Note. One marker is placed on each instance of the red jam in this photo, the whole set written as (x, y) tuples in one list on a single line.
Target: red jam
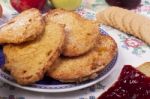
[(132, 84), (128, 4)]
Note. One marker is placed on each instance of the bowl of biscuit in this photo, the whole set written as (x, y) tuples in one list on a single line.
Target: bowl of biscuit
[(58, 52)]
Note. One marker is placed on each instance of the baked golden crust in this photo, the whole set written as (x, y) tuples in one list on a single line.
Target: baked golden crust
[(81, 34), (145, 68), (28, 62), (87, 66), (24, 27)]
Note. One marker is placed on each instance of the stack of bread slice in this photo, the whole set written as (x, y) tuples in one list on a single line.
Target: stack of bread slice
[(62, 45)]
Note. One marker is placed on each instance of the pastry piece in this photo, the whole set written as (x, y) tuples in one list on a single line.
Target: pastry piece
[(81, 34), (28, 62), (145, 68), (128, 22), (87, 66), (24, 27)]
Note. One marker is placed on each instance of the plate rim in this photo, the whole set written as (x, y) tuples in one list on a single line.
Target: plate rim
[(28, 88)]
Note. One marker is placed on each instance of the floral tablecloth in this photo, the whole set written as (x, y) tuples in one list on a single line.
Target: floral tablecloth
[(126, 44)]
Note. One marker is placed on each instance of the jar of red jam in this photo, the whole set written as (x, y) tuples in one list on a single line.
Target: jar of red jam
[(128, 4)]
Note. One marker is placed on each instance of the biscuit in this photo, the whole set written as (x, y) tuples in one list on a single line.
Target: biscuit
[(136, 23), (127, 19), (145, 68), (81, 34), (145, 31), (87, 66), (112, 17), (107, 15), (24, 27), (101, 18), (128, 22), (28, 62), (118, 18)]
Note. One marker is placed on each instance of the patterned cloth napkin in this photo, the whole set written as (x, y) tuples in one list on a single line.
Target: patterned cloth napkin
[(131, 51)]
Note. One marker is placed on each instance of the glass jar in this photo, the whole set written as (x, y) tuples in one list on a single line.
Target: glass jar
[(128, 4)]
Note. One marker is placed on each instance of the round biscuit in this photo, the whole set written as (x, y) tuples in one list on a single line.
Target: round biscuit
[(100, 18), (136, 24), (118, 18), (127, 21), (145, 31), (111, 17), (107, 15)]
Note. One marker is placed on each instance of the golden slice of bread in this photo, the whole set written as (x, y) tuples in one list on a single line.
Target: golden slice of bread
[(87, 66), (28, 62), (24, 27), (81, 34), (145, 68)]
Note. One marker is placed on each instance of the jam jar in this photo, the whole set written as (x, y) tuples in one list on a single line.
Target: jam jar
[(128, 4)]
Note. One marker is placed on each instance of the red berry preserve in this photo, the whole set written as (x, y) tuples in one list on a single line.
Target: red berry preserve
[(132, 84), (128, 4)]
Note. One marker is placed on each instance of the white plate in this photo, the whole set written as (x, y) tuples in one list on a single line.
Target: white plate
[(53, 86)]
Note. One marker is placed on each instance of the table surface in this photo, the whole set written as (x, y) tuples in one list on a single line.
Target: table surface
[(10, 92)]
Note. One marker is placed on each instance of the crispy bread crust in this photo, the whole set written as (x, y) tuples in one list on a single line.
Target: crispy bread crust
[(81, 34), (24, 27), (87, 66), (29, 61)]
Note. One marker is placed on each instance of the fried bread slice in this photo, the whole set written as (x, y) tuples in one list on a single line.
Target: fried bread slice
[(24, 27), (28, 62), (81, 34), (87, 66)]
